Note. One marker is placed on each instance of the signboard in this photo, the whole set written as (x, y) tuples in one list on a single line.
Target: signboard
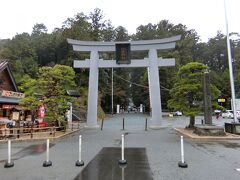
[(10, 106), (15, 116), (123, 53), (12, 94), (222, 100)]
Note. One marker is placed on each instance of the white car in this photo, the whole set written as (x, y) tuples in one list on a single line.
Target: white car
[(238, 115), (177, 113), (227, 114)]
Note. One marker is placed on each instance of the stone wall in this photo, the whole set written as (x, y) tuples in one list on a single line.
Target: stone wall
[(206, 130)]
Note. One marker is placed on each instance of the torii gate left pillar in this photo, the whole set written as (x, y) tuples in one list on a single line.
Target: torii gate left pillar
[(152, 62)]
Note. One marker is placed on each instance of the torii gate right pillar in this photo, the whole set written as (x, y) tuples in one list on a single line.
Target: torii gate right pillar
[(154, 87)]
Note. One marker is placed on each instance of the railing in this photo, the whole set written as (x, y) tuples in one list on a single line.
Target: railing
[(33, 131), (73, 126)]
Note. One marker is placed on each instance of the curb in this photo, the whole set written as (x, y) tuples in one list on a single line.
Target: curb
[(189, 134)]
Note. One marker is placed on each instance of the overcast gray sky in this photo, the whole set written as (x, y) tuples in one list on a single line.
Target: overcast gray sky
[(205, 16)]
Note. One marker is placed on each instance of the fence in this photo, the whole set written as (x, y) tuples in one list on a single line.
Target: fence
[(31, 132)]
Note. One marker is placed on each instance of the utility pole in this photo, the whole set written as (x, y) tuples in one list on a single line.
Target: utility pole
[(112, 91), (230, 67)]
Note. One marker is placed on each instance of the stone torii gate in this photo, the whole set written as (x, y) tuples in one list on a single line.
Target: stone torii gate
[(152, 63)]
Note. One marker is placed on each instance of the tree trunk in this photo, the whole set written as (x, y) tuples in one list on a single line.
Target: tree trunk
[(191, 122)]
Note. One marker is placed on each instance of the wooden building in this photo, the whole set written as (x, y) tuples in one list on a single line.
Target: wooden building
[(9, 94)]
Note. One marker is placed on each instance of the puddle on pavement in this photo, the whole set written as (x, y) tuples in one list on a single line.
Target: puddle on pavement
[(117, 142), (232, 145), (30, 151), (105, 165)]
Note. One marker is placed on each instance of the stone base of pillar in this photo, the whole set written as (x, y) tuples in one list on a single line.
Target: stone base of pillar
[(91, 127), (155, 123), (156, 127)]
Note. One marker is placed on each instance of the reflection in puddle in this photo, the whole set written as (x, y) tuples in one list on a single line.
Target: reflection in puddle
[(105, 166), (30, 150), (123, 176)]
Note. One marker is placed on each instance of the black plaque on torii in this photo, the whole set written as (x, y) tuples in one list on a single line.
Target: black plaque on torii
[(123, 53)]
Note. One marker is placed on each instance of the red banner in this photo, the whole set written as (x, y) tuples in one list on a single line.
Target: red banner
[(41, 112)]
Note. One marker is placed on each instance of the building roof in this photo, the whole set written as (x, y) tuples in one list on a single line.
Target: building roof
[(4, 65), (9, 100), (73, 93)]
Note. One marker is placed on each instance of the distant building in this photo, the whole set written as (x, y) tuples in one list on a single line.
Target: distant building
[(9, 94)]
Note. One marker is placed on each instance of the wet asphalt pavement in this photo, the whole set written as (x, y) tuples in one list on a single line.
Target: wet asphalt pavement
[(152, 154), (105, 165)]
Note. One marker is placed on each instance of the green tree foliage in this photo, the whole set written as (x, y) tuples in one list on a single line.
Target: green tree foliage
[(76, 28), (121, 34), (120, 75), (140, 88), (187, 93), (214, 54), (39, 29), (29, 52), (52, 84), (26, 66), (97, 24), (183, 53), (18, 48), (108, 32), (217, 58), (236, 64)]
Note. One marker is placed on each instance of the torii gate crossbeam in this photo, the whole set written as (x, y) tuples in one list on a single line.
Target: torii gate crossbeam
[(152, 62)]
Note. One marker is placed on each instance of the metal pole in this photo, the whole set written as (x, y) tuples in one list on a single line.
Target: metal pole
[(123, 124), (230, 67), (9, 151), (80, 162), (182, 150), (182, 163), (9, 164), (122, 147), (122, 161), (102, 124), (146, 124), (123, 173), (150, 97), (47, 163), (112, 91), (47, 156), (18, 133), (80, 148)]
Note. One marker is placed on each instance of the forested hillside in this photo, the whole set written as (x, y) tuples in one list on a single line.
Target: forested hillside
[(28, 52)]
